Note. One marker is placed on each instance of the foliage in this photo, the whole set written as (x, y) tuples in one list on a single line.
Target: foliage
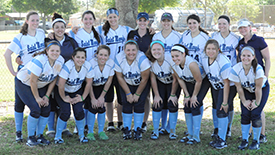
[(5, 6), (150, 6)]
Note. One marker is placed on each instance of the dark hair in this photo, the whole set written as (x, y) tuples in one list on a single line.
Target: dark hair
[(93, 29), (78, 49), (55, 16), (24, 28), (149, 53), (103, 47), (47, 42), (106, 26), (225, 17), (214, 42), (197, 18), (254, 62), (186, 49), (131, 42)]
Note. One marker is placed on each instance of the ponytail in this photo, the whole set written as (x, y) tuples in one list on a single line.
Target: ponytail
[(149, 54), (106, 27), (197, 18), (254, 64), (203, 30), (24, 28), (96, 35)]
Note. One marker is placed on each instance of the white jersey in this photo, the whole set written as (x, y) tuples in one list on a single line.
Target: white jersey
[(164, 73), (228, 45), (132, 73), (247, 81), (172, 39), (185, 73), (101, 77), (194, 45), (40, 66), (218, 71), (26, 45), (115, 39), (74, 79), (86, 40)]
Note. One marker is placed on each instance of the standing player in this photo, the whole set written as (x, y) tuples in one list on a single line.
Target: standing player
[(169, 37), (228, 42), (143, 37), (29, 41), (34, 83), (261, 52), (103, 69), (132, 70), (164, 87), (253, 89), (70, 92)]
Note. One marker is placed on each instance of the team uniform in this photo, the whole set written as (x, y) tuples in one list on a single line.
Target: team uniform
[(194, 45), (86, 40), (143, 42), (247, 82), (132, 76), (193, 115), (73, 86), (40, 67)]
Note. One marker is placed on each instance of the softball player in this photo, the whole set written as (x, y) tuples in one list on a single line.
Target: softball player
[(228, 42), (164, 87), (169, 37), (103, 69), (190, 74), (253, 89), (69, 92), (29, 41), (114, 36), (34, 83), (132, 70), (217, 68)]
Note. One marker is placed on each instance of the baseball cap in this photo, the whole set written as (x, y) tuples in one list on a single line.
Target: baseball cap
[(167, 15), (143, 15), (243, 23)]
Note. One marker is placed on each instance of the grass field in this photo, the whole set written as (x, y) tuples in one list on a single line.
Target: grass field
[(116, 145)]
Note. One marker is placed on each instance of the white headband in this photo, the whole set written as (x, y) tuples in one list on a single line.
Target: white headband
[(249, 49), (58, 20), (179, 48)]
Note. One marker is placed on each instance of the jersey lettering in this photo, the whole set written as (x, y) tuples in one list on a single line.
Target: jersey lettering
[(74, 82), (46, 78), (89, 43), (36, 46)]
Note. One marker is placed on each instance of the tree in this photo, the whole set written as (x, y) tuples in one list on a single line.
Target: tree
[(150, 6), (127, 12), (4, 7)]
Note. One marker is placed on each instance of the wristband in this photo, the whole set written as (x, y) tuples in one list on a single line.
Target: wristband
[(49, 98), (128, 94), (256, 104), (105, 90), (173, 95), (225, 104), (137, 94), (187, 96), (82, 98)]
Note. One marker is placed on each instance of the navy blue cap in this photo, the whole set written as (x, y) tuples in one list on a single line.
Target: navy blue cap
[(143, 15), (167, 15)]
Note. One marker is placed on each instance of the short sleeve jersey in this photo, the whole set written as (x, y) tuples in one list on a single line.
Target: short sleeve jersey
[(143, 42), (172, 39)]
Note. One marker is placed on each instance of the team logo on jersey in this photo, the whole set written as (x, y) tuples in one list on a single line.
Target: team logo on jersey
[(131, 75), (167, 48), (35, 47), (114, 40), (192, 47), (187, 78), (136, 37), (100, 80), (225, 48), (247, 84), (213, 78), (46, 78), (89, 43), (74, 82)]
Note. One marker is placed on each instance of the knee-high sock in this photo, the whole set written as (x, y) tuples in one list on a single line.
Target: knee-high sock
[(201, 110), (189, 124), (41, 125), (18, 117), (85, 114), (245, 131), (80, 127), (173, 117), (138, 119), (215, 118), (230, 118), (101, 121), (156, 120), (164, 113), (257, 133), (222, 124), (90, 121), (59, 128), (196, 127), (32, 124), (51, 121), (127, 120)]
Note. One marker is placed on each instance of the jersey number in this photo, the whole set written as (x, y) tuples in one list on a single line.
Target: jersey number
[(120, 48), (196, 57)]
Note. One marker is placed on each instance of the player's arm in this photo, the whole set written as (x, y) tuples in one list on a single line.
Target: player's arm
[(61, 90), (124, 86), (49, 91), (107, 86), (144, 79), (258, 93), (266, 56), (226, 89), (34, 89), (195, 70), (7, 56)]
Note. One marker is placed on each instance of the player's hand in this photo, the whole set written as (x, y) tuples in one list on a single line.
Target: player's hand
[(224, 107), (75, 29), (40, 102), (46, 101), (174, 100), (186, 101), (135, 98), (94, 103), (247, 104), (130, 98), (152, 31), (18, 60), (51, 35), (194, 102), (253, 105), (101, 101), (157, 101), (68, 99)]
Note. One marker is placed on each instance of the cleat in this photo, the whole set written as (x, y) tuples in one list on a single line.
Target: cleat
[(58, 141), (172, 136), (91, 136), (111, 127), (249, 136), (254, 145), (263, 138), (220, 144), (86, 129), (103, 136), (228, 133), (66, 132), (32, 141), (154, 136), (138, 134), (163, 131), (127, 133), (192, 142), (144, 127), (184, 140), (50, 134), (42, 141), (215, 133), (83, 140), (75, 130), (19, 137), (243, 145)]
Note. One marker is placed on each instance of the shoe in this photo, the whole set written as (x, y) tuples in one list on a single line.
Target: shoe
[(220, 144), (86, 129), (186, 133), (120, 127), (103, 136), (243, 145), (172, 136), (254, 145), (83, 140), (19, 137), (184, 140), (228, 133), (154, 136), (66, 132), (138, 134), (263, 138), (163, 131), (127, 133), (215, 133), (144, 127), (91, 136), (50, 134), (42, 141), (111, 127), (75, 130), (249, 136), (215, 139), (32, 141), (192, 142), (58, 141)]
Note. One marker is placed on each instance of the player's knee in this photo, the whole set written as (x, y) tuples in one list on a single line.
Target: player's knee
[(257, 123), (65, 116), (79, 115)]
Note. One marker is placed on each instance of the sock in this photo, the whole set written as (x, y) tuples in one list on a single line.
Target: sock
[(156, 120), (164, 118), (138, 118), (173, 117), (127, 120), (201, 110), (257, 133), (80, 127), (100, 121), (230, 118), (51, 121), (85, 114), (222, 124), (197, 127), (59, 128), (215, 118), (245, 131), (189, 124), (90, 121), (31, 125), (41, 125), (18, 117)]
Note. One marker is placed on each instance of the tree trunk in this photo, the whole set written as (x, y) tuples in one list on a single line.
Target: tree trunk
[(128, 10)]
